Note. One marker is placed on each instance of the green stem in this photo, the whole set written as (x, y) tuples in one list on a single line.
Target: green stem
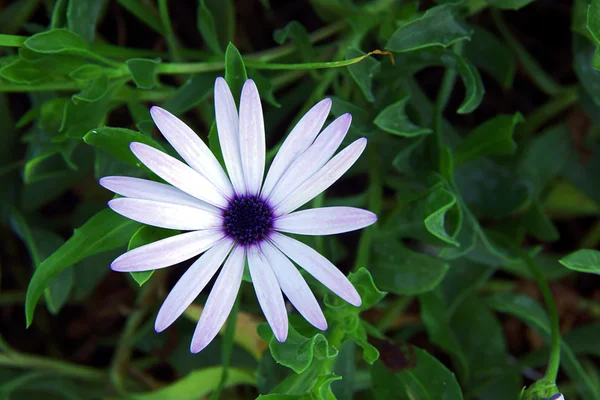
[(169, 35), (546, 112), (227, 348), (12, 40), (538, 76), (43, 87), (335, 338), (24, 361)]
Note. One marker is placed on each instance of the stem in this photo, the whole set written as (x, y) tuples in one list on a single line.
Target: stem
[(44, 87), (24, 361), (169, 35), (227, 348), (546, 112), (335, 339), (12, 40)]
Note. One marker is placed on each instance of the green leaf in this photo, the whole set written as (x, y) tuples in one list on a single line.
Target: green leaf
[(196, 89), (208, 28), (298, 351), (104, 231), (57, 41), (414, 61), (94, 92), (593, 20), (216, 23), (297, 33), (491, 55), (588, 76), (439, 26), (116, 141), (235, 71), (399, 270), (363, 72), (493, 137), (583, 260), (197, 385), (143, 236), (39, 69), (82, 17), (143, 72), (539, 224), (265, 88), (428, 379), (87, 72), (364, 284), (145, 13), (393, 119), (509, 4)]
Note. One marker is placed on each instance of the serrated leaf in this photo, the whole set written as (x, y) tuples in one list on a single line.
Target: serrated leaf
[(143, 236), (104, 231), (583, 260), (116, 141), (393, 119), (143, 71)]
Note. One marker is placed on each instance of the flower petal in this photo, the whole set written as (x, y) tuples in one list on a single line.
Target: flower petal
[(268, 292), (322, 179), (178, 174), (166, 252), (220, 301), (226, 116), (299, 139), (294, 286), (165, 215), (191, 148), (318, 266), (252, 137), (191, 283), (325, 221), (149, 190), (312, 159)]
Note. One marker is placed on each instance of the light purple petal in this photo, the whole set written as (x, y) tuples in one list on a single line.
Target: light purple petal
[(166, 252), (226, 116), (294, 286), (318, 266), (268, 293), (252, 137), (178, 174), (312, 159), (191, 148), (299, 139), (322, 179), (144, 189), (165, 215), (191, 284), (325, 221), (220, 301)]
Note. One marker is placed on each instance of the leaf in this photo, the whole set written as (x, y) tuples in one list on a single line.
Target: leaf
[(437, 27), (216, 23), (82, 17), (298, 35), (399, 270), (196, 89), (393, 119), (57, 41), (143, 72), (197, 384), (429, 379), (583, 260), (509, 4), (265, 88), (208, 28), (588, 76), (493, 137), (416, 60), (593, 20), (491, 55), (143, 236), (87, 72), (116, 141), (235, 71), (104, 231), (94, 92), (144, 13)]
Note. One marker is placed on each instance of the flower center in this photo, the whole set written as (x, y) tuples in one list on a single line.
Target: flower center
[(247, 219)]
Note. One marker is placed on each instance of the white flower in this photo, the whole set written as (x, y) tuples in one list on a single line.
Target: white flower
[(240, 217)]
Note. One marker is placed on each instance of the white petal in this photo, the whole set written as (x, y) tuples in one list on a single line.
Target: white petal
[(191, 284), (312, 159), (252, 137), (178, 174), (294, 286), (268, 293), (322, 179), (165, 215), (299, 139), (226, 116), (325, 221), (191, 148), (220, 301), (166, 252), (149, 190), (318, 266)]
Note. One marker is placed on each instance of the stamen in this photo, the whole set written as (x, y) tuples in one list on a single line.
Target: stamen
[(247, 219)]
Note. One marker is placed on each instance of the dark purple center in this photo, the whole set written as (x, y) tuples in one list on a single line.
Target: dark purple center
[(247, 219)]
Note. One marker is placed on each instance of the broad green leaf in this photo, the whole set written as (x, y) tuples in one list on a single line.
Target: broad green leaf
[(235, 71), (308, 385), (363, 72), (87, 72), (94, 92), (493, 137), (588, 76), (491, 55), (399, 270), (593, 20), (509, 4), (59, 14), (439, 26), (417, 60), (57, 41), (16, 13), (539, 224), (143, 72), (297, 34), (581, 173), (216, 23), (196, 385), (196, 89), (104, 231), (46, 68), (428, 379), (583, 260), (393, 119), (369, 293), (82, 17), (143, 236), (116, 141)]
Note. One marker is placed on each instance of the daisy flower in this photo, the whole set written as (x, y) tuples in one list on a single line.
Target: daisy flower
[(236, 217)]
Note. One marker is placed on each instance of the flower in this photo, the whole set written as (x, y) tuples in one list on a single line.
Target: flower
[(239, 217)]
